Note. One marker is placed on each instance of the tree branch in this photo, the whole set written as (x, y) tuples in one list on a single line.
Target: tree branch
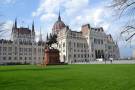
[(130, 37), (126, 7)]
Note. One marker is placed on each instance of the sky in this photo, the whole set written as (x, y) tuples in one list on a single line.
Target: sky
[(74, 13)]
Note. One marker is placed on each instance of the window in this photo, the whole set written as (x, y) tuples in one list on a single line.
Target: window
[(39, 50), (4, 54), (69, 44), (10, 49), (0, 48), (4, 48), (43, 50), (82, 55), (98, 41), (74, 45), (85, 55), (16, 49), (31, 50), (63, 44), (95, 40), (84, 46), (59, 46), (20, 58), (21, 49), (4, 58), (30, 58), (77, 44), (101, 41), (20, 40), (109, 47), (63, 50), (78, 55), (25, 49), (74, 55), (81, 50), (92, 55), (15, 58), (9, 53)]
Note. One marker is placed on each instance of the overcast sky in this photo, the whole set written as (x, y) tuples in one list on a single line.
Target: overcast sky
[(74, 13)]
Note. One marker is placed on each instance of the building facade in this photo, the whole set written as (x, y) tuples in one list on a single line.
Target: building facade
[(82, 46), (22, 48), (85, 45)]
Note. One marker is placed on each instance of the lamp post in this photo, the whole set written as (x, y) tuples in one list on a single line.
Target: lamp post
[(106, 56)]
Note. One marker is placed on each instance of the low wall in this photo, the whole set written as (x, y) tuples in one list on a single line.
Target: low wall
[(109, 62)]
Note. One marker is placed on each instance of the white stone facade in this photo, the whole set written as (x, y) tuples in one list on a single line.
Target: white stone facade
[(86, 45), (22, 48)]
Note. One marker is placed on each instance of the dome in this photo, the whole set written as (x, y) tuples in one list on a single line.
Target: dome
[(59, 24)]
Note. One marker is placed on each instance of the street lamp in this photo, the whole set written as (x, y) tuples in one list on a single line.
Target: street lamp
[(106, 55)]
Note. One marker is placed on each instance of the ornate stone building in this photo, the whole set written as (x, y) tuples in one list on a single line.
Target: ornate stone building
[(82, 46), (22, 48), (85, 45)]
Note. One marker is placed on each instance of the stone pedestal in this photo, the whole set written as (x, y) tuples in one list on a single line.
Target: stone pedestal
[(52, 56)]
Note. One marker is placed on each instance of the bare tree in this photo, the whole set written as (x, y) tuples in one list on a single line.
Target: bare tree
[(2, 31), (125, 9), (1, 25)]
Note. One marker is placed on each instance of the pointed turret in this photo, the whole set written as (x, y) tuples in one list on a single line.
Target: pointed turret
[(59, 17), (33, 32), (15, 25), (50, 37), (13, 28), (40, 38), (47, 38), (33, 28)]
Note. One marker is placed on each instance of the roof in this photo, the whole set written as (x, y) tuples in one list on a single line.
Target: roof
[(5, 41), (23, 30), (58, 25)]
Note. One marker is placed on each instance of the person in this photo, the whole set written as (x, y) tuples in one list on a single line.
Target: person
[(105, 59), (111, 59)]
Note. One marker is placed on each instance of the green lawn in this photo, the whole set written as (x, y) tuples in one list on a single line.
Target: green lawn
[(68, 77)]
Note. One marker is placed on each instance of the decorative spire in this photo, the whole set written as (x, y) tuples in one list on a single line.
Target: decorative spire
[(50, 37), (33, 29), (59, 17), (40, 38), (47, 37), (15, 25)]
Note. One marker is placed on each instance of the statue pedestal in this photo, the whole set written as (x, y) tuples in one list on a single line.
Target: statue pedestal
[(52, 57)]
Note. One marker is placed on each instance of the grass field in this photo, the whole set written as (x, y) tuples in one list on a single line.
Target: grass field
[(68, 77)]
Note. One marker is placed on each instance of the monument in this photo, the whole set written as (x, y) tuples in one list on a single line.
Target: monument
[(51, 54)]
